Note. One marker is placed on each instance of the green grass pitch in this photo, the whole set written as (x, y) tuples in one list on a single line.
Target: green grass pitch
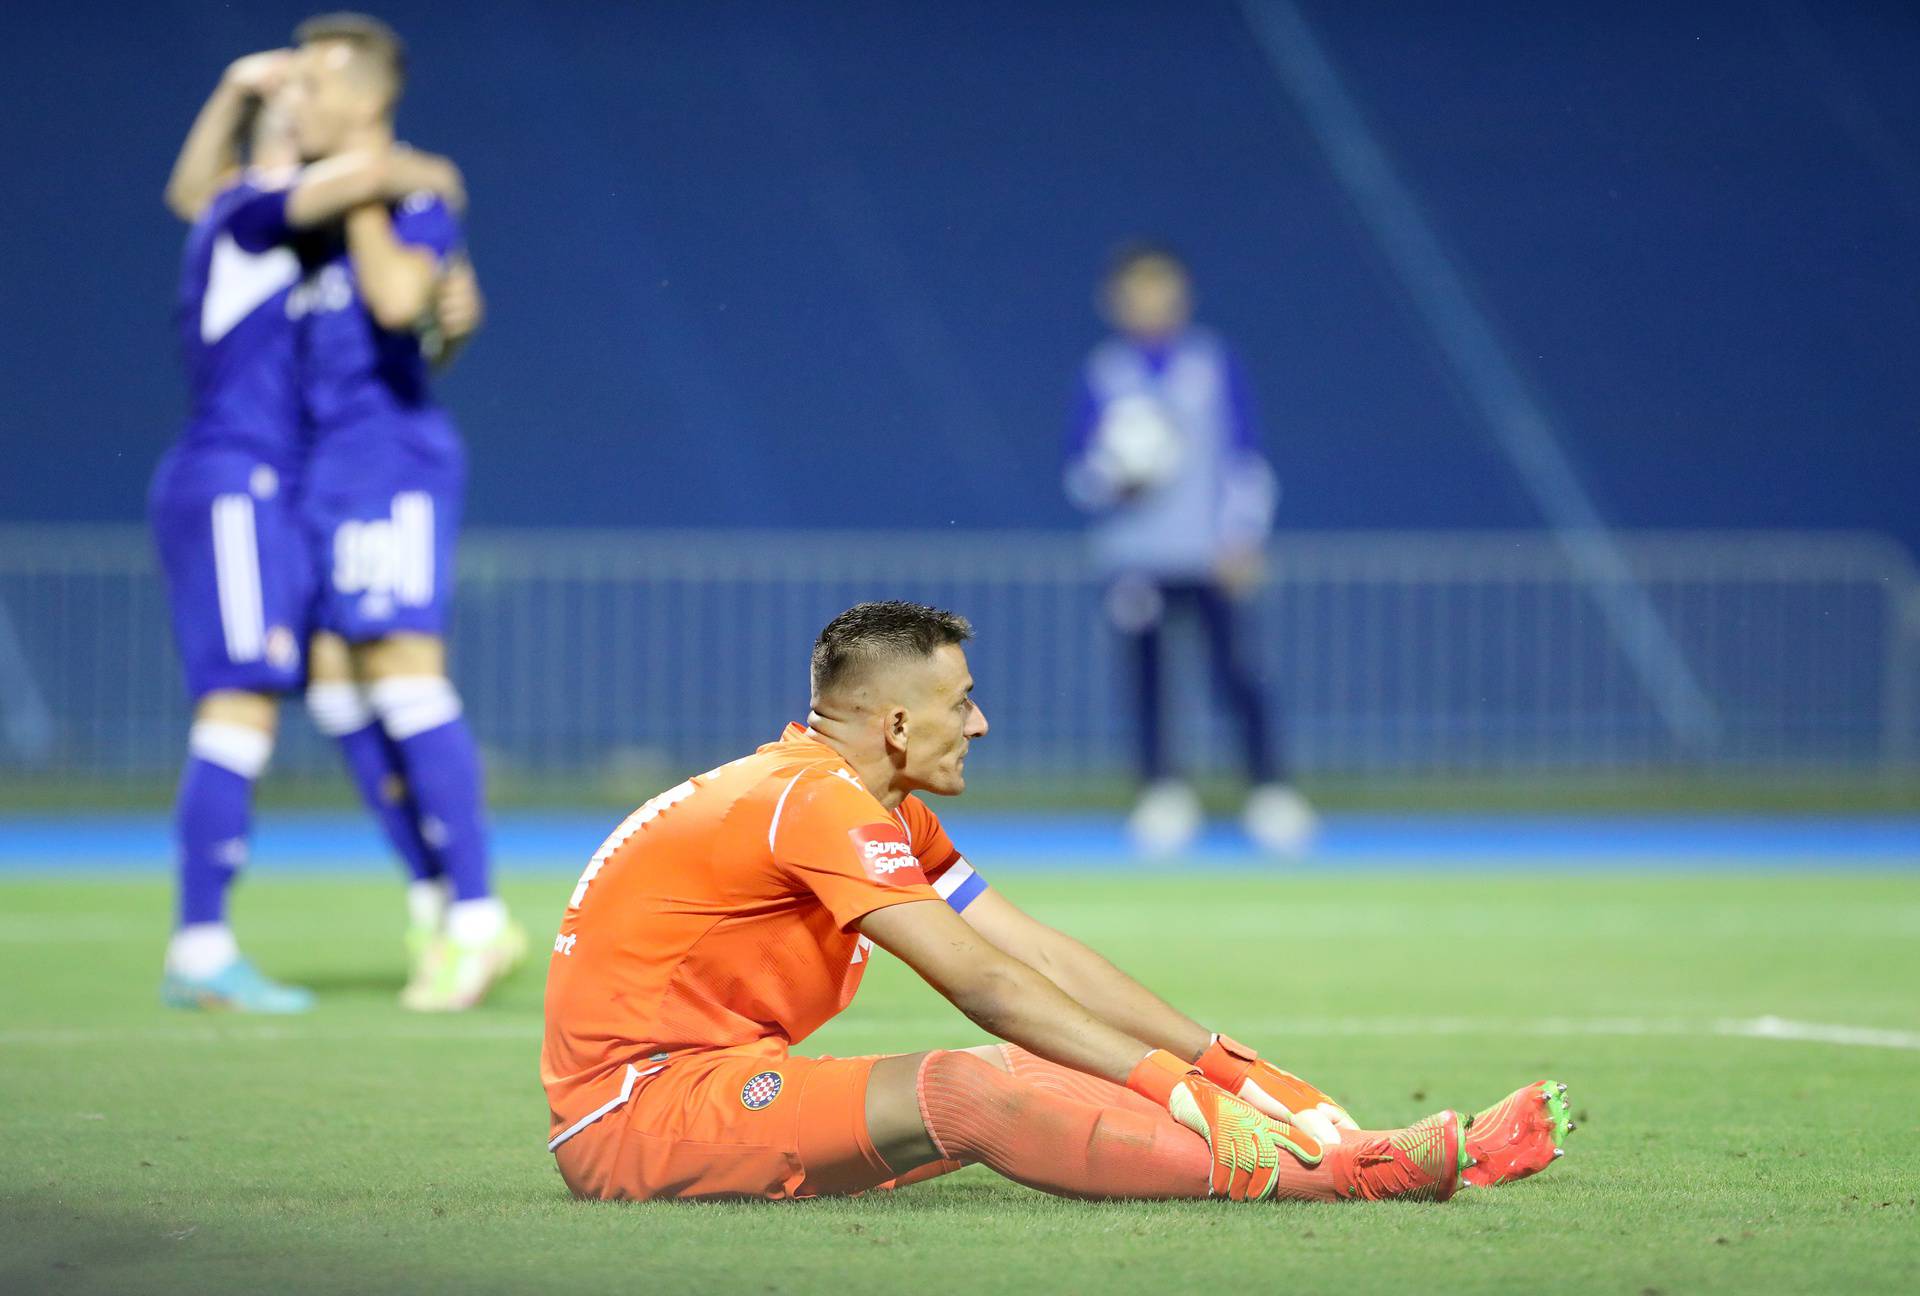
[(367, 1150)]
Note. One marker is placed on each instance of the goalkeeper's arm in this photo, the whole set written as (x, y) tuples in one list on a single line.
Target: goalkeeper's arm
[(1000, 993), (1088, 979), (1126, 1005)]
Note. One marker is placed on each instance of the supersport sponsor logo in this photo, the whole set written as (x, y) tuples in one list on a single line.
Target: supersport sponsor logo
[(887, 855), (884, 857)]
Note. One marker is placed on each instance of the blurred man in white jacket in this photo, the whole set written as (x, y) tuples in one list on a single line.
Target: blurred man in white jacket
[(1164, 452)]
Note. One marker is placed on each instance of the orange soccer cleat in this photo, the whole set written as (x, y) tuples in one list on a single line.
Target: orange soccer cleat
[(1423, 1162), (1519, 1136)]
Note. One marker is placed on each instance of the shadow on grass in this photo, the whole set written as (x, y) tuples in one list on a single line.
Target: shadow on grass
[(49, 1244), (355, 984)]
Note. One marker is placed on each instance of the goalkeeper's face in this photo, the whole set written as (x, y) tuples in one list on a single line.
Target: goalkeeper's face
[(942, 719)]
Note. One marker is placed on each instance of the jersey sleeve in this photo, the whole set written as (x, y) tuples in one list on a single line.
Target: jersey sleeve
[(258, 220), (1243, 426), (832, 838), (423, 220), (952, 878), (1088, 487), (1250, 491)]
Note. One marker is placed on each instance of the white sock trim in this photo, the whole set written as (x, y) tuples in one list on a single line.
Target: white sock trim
[(426, 903), (414, 704), (201, 950), (475, 922), (236, 747), (338, 708)]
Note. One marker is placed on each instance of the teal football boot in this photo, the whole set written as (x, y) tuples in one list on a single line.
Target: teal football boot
[(237, 987)]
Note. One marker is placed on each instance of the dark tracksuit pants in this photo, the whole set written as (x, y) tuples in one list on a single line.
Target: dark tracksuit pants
[(1233, 681)]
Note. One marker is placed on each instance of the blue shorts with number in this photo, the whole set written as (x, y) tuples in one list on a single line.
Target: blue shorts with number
[(238, 568), (382, 507)]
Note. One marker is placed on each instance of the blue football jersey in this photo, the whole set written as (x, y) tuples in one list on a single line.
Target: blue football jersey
[(353, 372), (236, 335)]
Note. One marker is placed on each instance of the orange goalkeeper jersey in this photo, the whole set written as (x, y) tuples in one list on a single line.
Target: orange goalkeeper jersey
[(720, 915)]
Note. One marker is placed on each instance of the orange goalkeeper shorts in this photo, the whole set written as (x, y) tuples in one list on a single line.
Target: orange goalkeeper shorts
[(730, 1124)]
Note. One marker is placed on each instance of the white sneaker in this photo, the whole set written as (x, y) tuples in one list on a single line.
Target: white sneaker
[(454, 977), (1166, 819), (1279, 819), (426, 917)]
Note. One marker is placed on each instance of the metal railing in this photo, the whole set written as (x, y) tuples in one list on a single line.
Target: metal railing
[(1391, 652)]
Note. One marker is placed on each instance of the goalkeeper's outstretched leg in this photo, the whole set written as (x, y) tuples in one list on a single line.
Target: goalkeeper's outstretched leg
[(1038, 1136), (743, 1124), (1516, 1138)]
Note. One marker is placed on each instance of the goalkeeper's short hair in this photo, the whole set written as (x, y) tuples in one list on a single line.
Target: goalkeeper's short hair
[(868, 634)]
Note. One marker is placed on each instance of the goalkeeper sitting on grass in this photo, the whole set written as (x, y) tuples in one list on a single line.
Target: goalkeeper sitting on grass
[(731, 916)]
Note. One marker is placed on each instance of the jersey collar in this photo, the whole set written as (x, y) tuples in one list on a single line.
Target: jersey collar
[(795, 732)]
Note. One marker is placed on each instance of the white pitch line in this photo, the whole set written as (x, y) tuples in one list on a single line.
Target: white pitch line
[(1779, 1029), (73, 929), (233, 1031), (1770, 1028)]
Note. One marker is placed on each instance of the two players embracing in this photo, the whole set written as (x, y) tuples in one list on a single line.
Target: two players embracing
[(306, 517)]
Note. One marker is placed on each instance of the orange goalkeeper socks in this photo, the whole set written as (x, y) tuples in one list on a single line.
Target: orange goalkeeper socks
[(1365, 1163), (976, 1112), (1051, 1077), (931, 1170), (1074, 1135)]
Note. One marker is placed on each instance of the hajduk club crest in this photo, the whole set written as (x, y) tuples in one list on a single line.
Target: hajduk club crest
[(760, 1091)]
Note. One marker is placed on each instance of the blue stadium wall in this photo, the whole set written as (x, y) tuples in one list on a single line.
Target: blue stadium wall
[(829, 264)]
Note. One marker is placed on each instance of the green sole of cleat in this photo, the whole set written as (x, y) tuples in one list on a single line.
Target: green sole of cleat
[(1557, 1109)]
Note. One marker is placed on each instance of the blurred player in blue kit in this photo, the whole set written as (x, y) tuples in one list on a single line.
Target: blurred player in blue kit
[(303, 342), (385, 482), (1164, 451)]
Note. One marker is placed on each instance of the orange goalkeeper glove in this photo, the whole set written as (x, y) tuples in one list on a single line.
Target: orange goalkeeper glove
[(1246, 1145), (1279, 1094)]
